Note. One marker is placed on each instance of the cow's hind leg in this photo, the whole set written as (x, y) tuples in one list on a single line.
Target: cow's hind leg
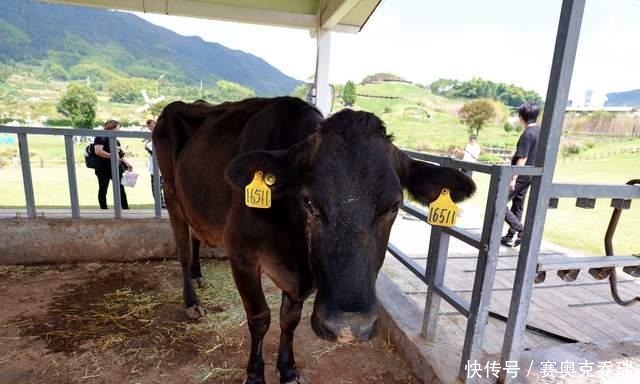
[(196, 271), (247, 279), (183, 245), (290, 313)]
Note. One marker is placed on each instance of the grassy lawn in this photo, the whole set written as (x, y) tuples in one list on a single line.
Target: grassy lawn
[(584, 229), (406, 118)]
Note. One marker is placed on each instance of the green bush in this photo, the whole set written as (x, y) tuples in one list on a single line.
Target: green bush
[(491, 158), (571, 149), (387, 109), (123, 91), (508, 127), (58, 123), (349, 93)]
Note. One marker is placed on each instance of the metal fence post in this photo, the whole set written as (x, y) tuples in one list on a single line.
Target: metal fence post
[(548, 145), (436, 266), (71, 174), (486, 265), (115, 176), (435, 270), (27, 181)]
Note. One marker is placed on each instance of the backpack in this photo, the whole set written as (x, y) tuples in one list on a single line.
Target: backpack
[(90, 157)]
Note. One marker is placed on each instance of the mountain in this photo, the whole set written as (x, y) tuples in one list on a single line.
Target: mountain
[(77, 42), (623, 99)]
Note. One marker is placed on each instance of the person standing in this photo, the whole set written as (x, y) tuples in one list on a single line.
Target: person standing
[(525, 154), (148, 146), (103, 167), (472, 150)]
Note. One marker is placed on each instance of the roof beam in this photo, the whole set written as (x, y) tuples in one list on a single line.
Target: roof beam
[(333, 11), (204, 10)]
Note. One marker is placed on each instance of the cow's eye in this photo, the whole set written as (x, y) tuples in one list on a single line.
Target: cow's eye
[(389, 213)]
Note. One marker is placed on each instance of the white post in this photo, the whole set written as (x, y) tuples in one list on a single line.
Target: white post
[(323, 92)]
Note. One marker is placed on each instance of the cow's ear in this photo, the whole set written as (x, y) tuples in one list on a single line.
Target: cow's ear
[(240, 171), (425, 181)]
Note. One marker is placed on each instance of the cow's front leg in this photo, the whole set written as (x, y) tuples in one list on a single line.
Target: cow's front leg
[(290, 313), (247, 278)]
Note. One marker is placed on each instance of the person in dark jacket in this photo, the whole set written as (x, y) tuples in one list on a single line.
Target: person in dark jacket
[(526, 152), (103, 168)]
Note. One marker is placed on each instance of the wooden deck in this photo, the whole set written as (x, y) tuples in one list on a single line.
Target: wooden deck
[(582, 310)]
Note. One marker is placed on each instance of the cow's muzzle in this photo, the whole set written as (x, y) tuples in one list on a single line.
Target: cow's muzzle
[(345, 327)]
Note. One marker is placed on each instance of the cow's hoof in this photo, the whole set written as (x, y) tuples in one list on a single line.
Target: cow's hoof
[(254, 381), (292, 377), (199, 282), (195, 312), (299, 380)]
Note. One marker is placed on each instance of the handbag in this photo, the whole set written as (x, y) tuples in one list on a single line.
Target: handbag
[(129, 179)]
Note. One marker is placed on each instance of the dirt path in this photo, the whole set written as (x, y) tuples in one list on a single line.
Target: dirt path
[(123, 323)]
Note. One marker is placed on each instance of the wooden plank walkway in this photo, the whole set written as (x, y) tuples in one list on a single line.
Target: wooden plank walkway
[(582, 310)]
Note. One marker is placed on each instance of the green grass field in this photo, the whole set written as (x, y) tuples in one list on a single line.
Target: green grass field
[(413, 129)]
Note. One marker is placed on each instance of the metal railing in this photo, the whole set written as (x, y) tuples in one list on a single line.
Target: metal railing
[(487, 242), (25, 164)]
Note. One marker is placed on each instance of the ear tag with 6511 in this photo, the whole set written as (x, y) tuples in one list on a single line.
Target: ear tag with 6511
[(443, 211), (257, 194)]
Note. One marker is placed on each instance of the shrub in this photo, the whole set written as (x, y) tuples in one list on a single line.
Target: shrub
[(349, 93), (387, 109), (571, 149), (491, 158), (58, 123)]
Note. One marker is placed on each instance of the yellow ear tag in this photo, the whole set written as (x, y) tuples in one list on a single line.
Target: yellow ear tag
[(257, 194), (443, 211)]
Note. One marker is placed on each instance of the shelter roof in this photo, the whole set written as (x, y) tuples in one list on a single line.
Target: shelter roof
[(335, 15)]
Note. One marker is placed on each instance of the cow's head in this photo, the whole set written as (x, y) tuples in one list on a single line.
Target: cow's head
[(347, 180)]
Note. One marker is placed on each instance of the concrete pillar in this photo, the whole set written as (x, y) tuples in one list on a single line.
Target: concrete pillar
[(323, 91)]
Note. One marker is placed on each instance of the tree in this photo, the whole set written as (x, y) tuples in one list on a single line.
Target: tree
[(349, 93), (124, 91), (475, 114), (157, 108), (78, 103)]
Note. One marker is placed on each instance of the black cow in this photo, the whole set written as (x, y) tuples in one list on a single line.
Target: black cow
[(336, 187)]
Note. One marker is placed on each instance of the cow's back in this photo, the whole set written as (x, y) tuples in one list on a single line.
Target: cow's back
[(195, 142)]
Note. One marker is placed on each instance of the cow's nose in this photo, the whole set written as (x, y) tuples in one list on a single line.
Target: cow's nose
[(349, 327)]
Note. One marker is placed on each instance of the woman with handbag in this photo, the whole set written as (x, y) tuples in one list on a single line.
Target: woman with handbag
[(103, 166)]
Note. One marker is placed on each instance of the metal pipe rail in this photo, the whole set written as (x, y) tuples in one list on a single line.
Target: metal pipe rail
[(472, 166), (487, 242), (25, 164)]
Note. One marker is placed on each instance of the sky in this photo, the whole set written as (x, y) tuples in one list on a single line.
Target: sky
[(422, 40)]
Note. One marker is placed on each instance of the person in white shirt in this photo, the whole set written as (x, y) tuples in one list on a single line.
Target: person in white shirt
[(148, 146), (472, 150)]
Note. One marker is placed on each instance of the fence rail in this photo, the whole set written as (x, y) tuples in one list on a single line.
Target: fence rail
[(68, 134)]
